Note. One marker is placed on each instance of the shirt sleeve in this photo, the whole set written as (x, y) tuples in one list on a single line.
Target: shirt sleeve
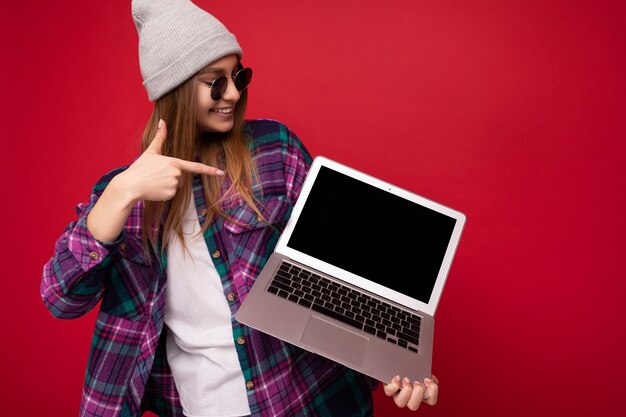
[(73, 278)]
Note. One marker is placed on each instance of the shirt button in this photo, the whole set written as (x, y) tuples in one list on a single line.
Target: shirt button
[(231, 296), (216, 254), (241, 340), (94, 255), (249, 384), (203, 212), (259, 218), (123, 246)]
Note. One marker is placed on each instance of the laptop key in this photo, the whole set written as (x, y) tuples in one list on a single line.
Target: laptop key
[(408, 338), (283, 274), (281, 286), (304, 302), (280, 278)]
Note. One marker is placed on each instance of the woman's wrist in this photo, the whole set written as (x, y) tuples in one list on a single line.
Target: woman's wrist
[(107, 218), (120, 190)]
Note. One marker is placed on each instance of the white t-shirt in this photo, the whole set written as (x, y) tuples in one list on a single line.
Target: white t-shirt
[(200, 346)]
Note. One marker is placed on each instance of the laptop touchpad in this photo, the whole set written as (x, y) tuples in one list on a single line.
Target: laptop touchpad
[(326, 337)]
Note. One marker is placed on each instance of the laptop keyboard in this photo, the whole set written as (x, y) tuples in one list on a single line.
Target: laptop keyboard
[(347, 305)]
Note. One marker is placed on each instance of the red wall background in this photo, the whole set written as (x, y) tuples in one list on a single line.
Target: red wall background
[(511, 111)]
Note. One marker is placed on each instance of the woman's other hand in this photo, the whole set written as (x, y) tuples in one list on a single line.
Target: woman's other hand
[(411, 394)]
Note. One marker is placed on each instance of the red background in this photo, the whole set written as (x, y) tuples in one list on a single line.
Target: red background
[(511, 111)]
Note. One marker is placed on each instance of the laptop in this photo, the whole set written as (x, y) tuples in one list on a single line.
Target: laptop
[(358, 272)]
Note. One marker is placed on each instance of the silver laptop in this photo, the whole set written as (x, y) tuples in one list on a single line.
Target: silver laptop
[(357, 273)]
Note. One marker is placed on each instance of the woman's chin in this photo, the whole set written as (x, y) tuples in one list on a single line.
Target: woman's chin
[(215, 126)]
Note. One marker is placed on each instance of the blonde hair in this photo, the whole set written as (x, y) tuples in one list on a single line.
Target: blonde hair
[(230, 151)]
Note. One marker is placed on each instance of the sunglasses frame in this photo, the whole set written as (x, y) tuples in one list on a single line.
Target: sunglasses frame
[(217, 90)]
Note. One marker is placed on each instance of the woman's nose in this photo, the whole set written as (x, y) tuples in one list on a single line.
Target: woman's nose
[(231, 92)]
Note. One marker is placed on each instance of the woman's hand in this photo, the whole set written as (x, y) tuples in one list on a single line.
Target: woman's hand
[(411, 395), (155, 177), (152, 177)]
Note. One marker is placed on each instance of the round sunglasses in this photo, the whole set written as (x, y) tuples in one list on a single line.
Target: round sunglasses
[(241, 79)]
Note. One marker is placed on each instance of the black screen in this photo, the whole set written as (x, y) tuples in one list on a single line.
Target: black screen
[(373, 233)]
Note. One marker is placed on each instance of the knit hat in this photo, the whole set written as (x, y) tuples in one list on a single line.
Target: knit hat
[(176, 40)]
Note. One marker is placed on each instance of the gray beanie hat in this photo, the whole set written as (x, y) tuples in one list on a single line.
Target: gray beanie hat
[(176, 40)]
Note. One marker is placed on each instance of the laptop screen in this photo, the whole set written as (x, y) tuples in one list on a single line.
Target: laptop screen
[(373, 233)]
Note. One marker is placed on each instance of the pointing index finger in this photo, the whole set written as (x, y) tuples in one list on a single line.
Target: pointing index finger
[(197, 167)]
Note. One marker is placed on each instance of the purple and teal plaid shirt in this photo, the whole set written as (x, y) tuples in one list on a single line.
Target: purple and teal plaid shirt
[(127, 372)]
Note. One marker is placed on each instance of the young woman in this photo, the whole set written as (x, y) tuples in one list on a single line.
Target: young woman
[(170, 245)]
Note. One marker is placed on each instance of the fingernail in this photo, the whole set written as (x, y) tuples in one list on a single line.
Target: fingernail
[(160, 123), (407, 380), (219, 172), (428, 380), (396, 378)]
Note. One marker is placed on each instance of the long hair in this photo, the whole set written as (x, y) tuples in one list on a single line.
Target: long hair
[(230, 151)]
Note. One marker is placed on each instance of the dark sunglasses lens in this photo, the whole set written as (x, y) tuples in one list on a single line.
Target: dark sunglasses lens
[(218, 88), (243, 78)]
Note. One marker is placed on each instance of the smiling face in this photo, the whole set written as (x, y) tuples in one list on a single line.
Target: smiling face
[(217, 116)]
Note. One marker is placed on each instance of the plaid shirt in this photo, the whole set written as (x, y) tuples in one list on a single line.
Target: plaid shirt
[(127, 372)]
